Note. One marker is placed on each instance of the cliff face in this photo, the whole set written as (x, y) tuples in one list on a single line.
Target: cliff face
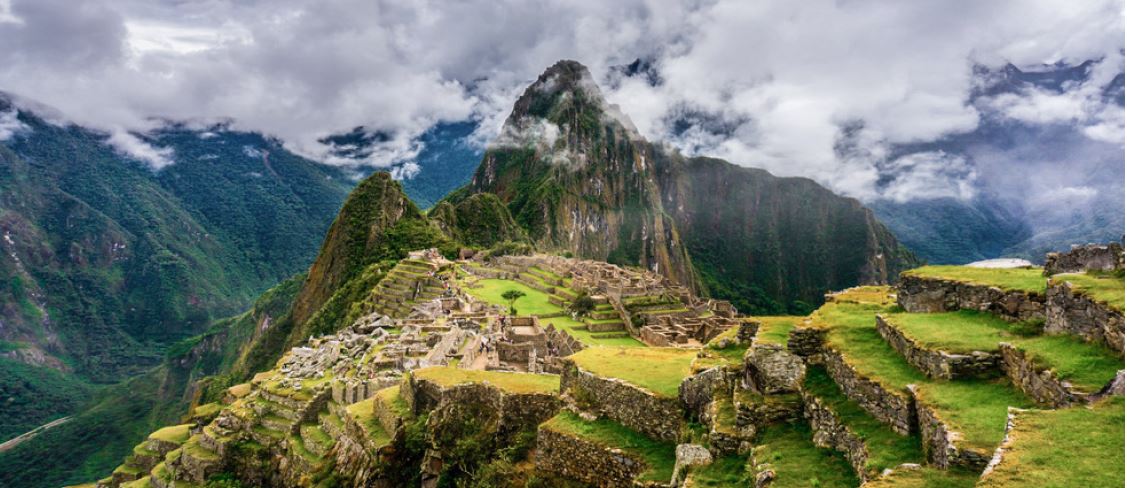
[(578, 177), (356, 238)]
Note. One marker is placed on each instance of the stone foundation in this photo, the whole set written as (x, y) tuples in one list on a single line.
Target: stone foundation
[(629, 405), (940, 364), (930, 295), (806, 342), (1071, 312), (891, 407)]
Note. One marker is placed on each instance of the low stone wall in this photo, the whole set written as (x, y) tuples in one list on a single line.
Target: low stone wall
[(830, 432), (582, 460), (891, 407), (1083, 258), (629, 405), (1070, 311), (753, 409), (940, 364), (940, 443), (1043, 385), (929, 295), (807, 342)]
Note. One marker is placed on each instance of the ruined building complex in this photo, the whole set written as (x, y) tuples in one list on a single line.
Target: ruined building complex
[(947, 379)]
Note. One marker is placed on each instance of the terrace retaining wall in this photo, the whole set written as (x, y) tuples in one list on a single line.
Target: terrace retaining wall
[(830, 432), (1084, 258), (1043, 385), (931, 295), (586, 461), (936, 363), (1070, 311), (940, 443), (892, 408), (627, 404)]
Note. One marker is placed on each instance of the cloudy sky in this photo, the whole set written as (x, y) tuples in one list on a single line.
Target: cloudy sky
[(876, 99)]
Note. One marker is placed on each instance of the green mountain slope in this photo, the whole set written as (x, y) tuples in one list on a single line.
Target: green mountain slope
[(578, 177)]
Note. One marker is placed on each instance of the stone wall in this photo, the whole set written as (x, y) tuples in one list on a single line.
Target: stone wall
[(807, 342), (1084, 258), (830, 432), (629, 405), (930, 295), (940, 364), (1070, 311), (1043, 385), (940, 443), (579, 459), (891, 407)]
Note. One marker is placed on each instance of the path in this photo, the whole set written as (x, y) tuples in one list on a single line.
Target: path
[(15, 441)]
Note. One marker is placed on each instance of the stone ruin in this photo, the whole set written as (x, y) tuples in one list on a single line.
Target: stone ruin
[(1091, 257)]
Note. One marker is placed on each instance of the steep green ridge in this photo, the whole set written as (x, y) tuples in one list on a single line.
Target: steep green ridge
[(577, 176), (479, 220)]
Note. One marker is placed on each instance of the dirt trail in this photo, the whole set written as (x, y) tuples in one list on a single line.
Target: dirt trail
[(15, 441)]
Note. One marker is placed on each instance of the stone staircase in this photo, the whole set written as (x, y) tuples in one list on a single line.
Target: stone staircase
[(405, 285)]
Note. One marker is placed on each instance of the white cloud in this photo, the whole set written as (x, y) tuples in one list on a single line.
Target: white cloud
[(929, 175), (10, 125), (780, 78), (132, 146)]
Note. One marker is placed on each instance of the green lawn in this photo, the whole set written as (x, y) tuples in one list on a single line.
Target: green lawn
[(658, 456), (887, 449), (1019, 279), (511, 382), (731, 470), (535, 302), (176, 434), (658, 369), (1104, 289), (963, 331), (776, 329), (925, 477), (1088, 366), (1078, 446), (976, 409), (798, 463)]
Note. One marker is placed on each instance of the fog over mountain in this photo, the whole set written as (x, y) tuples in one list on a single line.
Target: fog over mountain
[(1011, 108)]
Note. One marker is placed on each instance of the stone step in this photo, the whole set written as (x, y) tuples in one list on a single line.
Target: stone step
[(331, 424), (266, 436), (317, 441), (305, 459), (275, 422), (264, 406)]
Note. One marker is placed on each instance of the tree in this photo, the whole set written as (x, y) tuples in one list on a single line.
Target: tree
[(582, 305), (512, 296)]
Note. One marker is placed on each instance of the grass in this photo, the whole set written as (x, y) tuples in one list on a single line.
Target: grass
[(390, 396), (1088, 366), (363, 412), (510, 382), (535, 302), (775, 329), (1078, 446), (658, 456), (727, 471), (798, 462), (963, 331), (1103, 289), (176, 434), (887, 449), (657, 369), (1015, 279), (975, 409), (926, 477)]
